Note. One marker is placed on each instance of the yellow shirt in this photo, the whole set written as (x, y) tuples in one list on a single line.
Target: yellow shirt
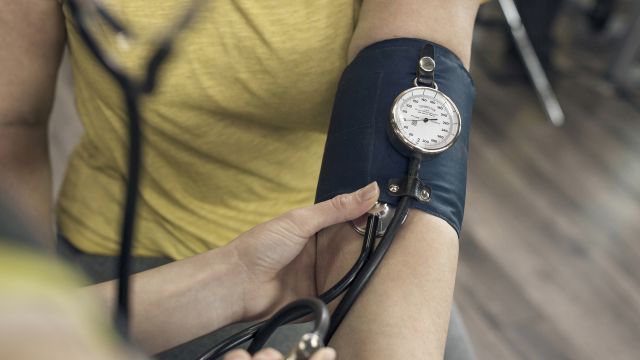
[(233, 135)]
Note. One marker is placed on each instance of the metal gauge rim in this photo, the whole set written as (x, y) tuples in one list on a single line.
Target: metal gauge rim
[(412, 146)]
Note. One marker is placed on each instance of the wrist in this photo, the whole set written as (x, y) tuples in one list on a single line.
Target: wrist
[(227, 279), (259, 295)]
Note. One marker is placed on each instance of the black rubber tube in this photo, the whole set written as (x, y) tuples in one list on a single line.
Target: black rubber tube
[(290, 313), (129, 216), (367, 247), (367, 271), (131, 93), (370, 267), (247, 334)]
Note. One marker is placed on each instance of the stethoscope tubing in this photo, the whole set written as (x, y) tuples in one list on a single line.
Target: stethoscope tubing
[(353, 282)]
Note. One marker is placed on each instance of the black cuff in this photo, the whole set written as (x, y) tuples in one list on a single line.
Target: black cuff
[(358, 150)]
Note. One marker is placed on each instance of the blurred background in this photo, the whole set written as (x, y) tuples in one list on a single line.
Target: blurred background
[(550, 251)]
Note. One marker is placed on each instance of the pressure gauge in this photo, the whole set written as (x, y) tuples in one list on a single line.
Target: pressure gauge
[(424, 121)]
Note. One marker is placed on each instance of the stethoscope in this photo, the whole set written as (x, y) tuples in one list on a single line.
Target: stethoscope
[(424, 122)]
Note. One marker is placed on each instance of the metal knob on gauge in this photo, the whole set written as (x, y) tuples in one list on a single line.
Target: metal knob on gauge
[(385, 214)]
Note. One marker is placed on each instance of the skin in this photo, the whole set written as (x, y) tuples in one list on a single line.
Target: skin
[(413, 286), (448, 23), (32, 37), (183, 300), (271, 354)]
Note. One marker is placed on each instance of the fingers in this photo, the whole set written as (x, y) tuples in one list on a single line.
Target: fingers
[(271, 354), (266, 354), (341, 208), (237, 355), (324, 354)]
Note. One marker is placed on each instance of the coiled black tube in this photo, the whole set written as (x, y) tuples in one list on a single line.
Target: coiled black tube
[(290, 313), (247, 334), (376, 258)]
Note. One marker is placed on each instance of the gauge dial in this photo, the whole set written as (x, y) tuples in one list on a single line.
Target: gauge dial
[(425, 120)]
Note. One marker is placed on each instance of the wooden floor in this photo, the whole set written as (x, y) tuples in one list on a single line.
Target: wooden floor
[(550, 251)]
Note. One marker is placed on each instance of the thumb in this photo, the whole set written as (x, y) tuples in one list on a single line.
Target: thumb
[(341, 208)]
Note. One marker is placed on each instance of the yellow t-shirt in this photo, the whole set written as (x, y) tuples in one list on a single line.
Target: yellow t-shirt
[(233, 135)]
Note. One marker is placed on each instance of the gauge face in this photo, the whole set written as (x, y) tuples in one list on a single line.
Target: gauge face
[(425, 120)]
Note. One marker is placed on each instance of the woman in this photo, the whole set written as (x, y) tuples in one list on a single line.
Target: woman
[(234, 137)]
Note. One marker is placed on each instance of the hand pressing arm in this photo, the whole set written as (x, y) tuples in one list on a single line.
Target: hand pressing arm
[(252, 277)]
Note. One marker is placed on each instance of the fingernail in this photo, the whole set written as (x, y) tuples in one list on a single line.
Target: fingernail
[(368, 192)]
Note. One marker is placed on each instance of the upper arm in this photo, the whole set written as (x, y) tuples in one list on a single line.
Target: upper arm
[(448, 23), (32, 39)]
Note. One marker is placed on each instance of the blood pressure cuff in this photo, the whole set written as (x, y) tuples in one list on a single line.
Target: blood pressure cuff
[(358, 150)]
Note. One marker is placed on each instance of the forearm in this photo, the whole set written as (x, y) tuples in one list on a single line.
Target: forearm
[(404, 311), (182, 300), (26, 174), (448, 23)]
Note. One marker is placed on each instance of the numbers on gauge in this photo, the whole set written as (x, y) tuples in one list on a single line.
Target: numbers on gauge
[(425, 119)]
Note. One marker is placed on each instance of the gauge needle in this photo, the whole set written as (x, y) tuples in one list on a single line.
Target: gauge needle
[(425, 120)]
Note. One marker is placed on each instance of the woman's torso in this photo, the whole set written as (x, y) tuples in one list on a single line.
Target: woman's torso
[(233, 135)]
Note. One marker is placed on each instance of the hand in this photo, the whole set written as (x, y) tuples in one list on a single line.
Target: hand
[(278, 257), (271, 354)]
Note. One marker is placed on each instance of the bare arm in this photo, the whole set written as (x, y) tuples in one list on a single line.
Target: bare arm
[(448, 23), (404, 311), (32, 39), (256, 274), (180, 301)]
